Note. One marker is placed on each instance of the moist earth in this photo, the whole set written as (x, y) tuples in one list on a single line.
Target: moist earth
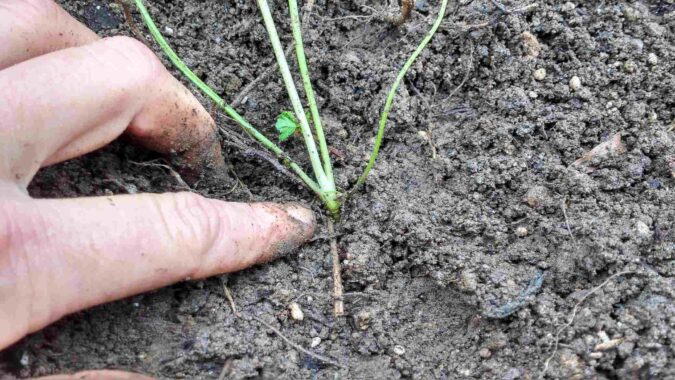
[(476, 243)]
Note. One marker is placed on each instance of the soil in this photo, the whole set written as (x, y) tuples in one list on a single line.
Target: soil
[(466, 265)]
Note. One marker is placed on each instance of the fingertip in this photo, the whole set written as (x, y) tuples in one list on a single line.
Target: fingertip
[(303, 216), (294, 225)]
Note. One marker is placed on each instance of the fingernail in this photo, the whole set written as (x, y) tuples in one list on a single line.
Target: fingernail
[(300, 213)]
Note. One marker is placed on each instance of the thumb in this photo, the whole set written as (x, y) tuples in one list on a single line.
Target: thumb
[(61, 256)]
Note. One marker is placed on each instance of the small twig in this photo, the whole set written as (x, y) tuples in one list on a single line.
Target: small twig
[(469, 68), (574, 314), (296, 346), (501, 7), (339, 307), (243, 185), (406, 11), (229, 297), (130, 21), (563, 206), (230, 300), (430, 136), (249, 151), (567, 221), (348, 17), (505, 11)]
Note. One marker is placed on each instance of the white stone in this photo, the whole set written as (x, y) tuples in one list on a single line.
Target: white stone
[(521, 231), (296, 311), (575, 83), (642, 229), (540, 74)]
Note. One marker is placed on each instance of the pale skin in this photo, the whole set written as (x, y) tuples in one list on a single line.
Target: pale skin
[(65, 92)]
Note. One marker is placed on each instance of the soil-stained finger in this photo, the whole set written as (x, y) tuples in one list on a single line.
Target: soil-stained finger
[(62, 256), (30, 28), (72, 101)]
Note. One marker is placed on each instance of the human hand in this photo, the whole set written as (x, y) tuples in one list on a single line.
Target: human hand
[(65, 92)]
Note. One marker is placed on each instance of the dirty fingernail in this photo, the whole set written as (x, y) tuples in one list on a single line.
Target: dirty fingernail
[(303, 216)]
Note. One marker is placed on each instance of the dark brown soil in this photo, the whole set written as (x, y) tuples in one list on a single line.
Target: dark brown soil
[(463, 266)]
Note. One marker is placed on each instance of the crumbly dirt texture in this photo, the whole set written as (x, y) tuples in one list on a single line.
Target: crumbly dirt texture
[(462, 265)]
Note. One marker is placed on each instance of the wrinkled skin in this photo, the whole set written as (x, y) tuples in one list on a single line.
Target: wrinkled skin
[(65, 92)]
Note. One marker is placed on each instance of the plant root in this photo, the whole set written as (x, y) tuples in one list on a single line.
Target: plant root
[(231, 139), (556, 343), (233, 306), (171, 171), (406, 12), (296, 346), (126, 9), (338, 299)]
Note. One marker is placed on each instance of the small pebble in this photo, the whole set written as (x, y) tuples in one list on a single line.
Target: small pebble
[(342, 133), (485, 353), (630, 14), (537, 196), (24, 361), (568, 6), (315, 342), (423, 135), (362, 320), (595, 355), (540, 74), (629, 67), (168, 30), (532, 95), (605, 346), (469, 281), (399, 350), (575, 83), (643, 230), (531, 44), (296, 311), (521, 231), (652, 59)]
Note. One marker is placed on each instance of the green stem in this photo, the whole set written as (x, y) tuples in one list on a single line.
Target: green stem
[(392, 93), (157, 35), (319, 172), (309, 91)]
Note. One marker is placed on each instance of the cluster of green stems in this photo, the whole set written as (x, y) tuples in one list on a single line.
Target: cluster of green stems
[(323, 183)]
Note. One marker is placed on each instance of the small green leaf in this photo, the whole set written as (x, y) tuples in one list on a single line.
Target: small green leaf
[(286, 125)]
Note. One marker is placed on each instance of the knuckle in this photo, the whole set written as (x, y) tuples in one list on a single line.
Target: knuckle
[(29, 12), (140, 62), (192, 225)]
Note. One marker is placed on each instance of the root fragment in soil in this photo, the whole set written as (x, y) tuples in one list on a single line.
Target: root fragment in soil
[(171, 171), (575, 309), (233, 306), (296, 346), (406, 11), (338, 301)]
